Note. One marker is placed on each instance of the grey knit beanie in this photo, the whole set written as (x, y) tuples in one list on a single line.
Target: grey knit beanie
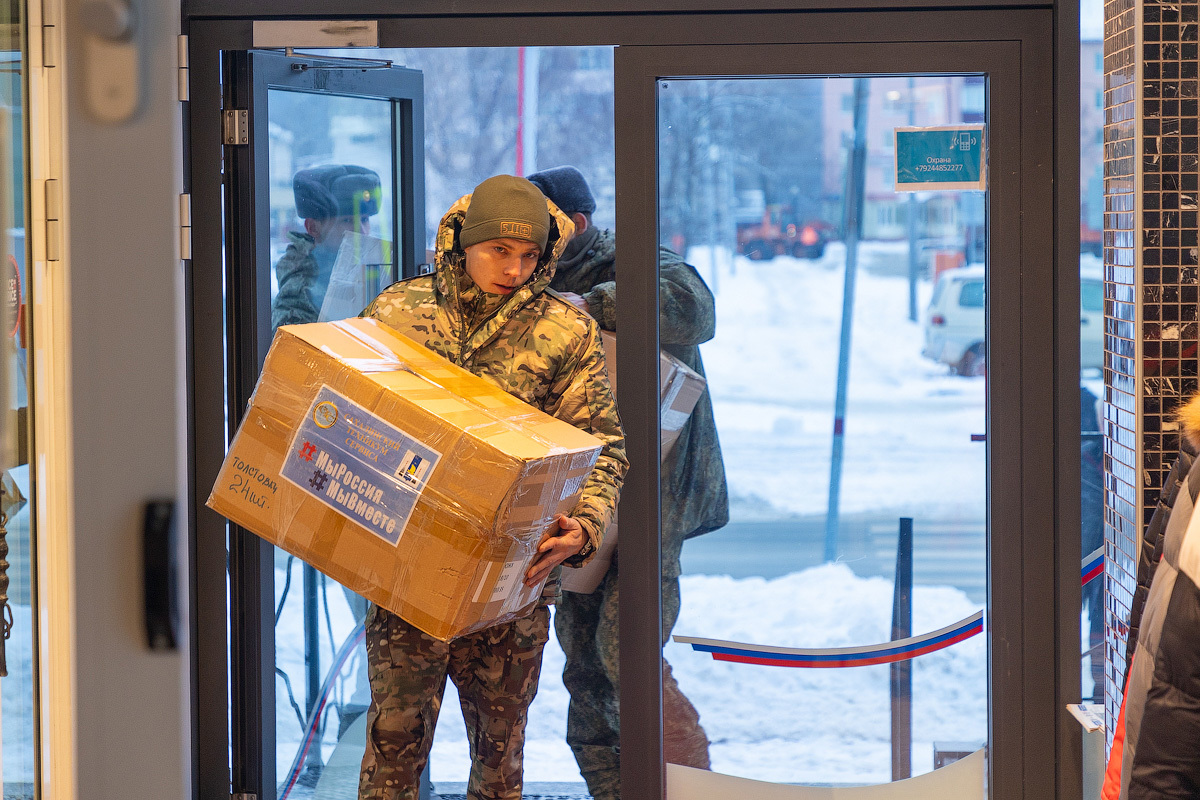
[(506, 207), (567, 188)]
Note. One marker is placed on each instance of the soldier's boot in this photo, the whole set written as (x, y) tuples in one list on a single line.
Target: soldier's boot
[(684, 741), (601, 769)]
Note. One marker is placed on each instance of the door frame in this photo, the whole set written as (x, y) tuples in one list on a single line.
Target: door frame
[(1041, 669), (1021, 561)]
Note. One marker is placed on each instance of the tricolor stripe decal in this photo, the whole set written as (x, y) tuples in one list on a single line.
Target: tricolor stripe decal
[(886, 653), (1093, 566), (818, 658)]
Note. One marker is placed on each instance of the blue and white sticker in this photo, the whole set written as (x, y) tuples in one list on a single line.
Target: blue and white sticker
[(364, 468)]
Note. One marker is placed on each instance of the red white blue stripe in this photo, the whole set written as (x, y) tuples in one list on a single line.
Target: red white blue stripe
[(826, 658), (1093, 566), (886, 653)]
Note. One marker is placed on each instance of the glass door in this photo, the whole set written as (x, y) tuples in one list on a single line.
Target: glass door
[(840, 506), (711, 142), (842, 417), (19, 689), (328, 211)]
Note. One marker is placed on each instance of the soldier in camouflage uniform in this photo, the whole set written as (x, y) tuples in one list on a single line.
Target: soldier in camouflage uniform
[(488, 308), (332, 199), (694, 498)]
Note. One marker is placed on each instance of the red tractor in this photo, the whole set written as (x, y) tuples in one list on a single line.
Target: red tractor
[(780, 233)]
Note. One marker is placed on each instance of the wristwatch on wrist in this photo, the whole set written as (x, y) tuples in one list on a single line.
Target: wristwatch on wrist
[(587, 549)]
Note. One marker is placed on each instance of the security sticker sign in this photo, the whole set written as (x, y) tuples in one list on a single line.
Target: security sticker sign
[(359, 465), (944, 157)]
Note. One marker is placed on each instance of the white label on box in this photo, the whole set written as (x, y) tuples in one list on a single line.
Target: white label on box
[(509, 580), (669, 418), (361, 466)]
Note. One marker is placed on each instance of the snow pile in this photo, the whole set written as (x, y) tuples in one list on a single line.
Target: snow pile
[(769, 723), (823, 725), (775, 723), (16, 700), (772, 372)]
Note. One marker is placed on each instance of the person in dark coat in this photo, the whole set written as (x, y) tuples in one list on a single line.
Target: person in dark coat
[(693, 488), (1156, 745), (333, 200)]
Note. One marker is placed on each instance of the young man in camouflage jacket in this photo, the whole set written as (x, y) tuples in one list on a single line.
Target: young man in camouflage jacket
[(487, 308), (694, 498)]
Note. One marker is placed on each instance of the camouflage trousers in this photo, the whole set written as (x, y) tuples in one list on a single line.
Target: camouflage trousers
[(586, 625), (496, 673)]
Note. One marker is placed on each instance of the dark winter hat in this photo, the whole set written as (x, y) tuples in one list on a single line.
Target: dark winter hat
[(506, 207), (567, 188), (336, 190)]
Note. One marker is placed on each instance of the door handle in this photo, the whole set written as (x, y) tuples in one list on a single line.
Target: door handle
[(160, 576)]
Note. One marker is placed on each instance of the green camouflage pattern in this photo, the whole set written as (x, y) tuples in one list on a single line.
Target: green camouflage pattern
[(295, 272), (535, 345), (694, 501), (542, 349), (496, 673), (695, 498)]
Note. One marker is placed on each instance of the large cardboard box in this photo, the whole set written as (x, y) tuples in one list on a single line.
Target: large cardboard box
[(679, 388), (407, 479)]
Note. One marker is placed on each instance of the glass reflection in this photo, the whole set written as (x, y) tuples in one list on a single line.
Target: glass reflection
[(1091, 337), (18, 663), (331, 177), (471, 116), (754, 183)]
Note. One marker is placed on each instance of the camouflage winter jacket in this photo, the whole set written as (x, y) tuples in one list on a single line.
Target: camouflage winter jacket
[(296, 272), (695, 498), (535, 345)]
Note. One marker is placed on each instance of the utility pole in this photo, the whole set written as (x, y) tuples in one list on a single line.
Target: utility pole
[(528, 65), (912, 217), (856, 173)]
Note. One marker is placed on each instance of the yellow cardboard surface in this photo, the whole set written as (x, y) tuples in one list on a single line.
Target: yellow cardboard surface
[(501, 471), (680, 388)]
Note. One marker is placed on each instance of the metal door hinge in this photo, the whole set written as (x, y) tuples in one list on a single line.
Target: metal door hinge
[(53, 220), (49, 33), (182, 58), (185, 226), (236, 126)]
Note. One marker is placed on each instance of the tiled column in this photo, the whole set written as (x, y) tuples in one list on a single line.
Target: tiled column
[(1151, 338)]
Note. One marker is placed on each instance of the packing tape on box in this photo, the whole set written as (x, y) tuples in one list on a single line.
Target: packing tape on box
[(388, 362), (479, 429)]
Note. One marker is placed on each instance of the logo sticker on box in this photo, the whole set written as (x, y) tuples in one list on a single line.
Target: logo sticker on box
[(364, 468)]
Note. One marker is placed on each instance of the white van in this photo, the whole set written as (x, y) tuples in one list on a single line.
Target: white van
[(954, 321)]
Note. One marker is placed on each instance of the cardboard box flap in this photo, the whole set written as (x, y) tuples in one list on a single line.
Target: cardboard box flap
[(477, 406)]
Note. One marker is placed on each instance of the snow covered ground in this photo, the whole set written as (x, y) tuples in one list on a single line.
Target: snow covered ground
[(772, 371), (769, 723), (16, 701)]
